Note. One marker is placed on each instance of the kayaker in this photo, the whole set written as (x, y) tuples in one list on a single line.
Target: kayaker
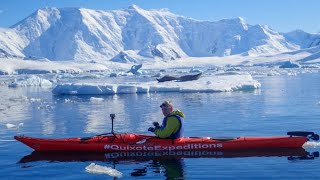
[(172, 124)]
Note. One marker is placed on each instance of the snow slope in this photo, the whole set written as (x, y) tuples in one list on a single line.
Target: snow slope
[(90, 35)]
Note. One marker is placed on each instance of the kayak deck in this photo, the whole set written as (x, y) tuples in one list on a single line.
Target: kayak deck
[(139, 142)]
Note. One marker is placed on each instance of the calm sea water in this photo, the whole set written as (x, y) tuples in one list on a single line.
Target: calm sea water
[(284, 103)]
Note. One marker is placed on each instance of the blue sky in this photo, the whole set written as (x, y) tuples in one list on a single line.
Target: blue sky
[(281, 15)]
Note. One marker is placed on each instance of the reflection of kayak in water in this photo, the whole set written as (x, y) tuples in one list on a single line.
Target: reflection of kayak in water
[(169, 164), (291, 153), (138, 143)]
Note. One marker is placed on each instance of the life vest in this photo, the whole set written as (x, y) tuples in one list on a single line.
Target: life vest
[(177, 134)]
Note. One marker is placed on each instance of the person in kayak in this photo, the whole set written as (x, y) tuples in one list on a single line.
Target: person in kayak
[(172, 124)]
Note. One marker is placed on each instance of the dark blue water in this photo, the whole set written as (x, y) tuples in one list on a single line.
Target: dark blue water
[(284, 103)]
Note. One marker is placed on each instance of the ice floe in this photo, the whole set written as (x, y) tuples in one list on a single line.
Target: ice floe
[(311, 144), (31, 81), (98, 169), (14, 126), (213, 83)]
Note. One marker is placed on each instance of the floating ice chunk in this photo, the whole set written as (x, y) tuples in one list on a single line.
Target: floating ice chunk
[(96, 100), (10, 126), (311, 66), (142, 89), (98, 169), (292, 73), (18, 98), (311, 144), (84, 89), (273, 73), (218, 83), (229, 73), (31, 81), (35, 100), (193, 70), (123, 89), (13, 126), (233, 69)]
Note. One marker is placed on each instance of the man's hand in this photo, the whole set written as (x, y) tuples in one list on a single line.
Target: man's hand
[(151, 129), (156, 124)]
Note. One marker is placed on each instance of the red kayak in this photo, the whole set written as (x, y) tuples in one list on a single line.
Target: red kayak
[(137, 142)]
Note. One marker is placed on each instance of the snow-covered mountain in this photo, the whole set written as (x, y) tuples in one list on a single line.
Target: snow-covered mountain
[(86, 34), (303, 39)]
